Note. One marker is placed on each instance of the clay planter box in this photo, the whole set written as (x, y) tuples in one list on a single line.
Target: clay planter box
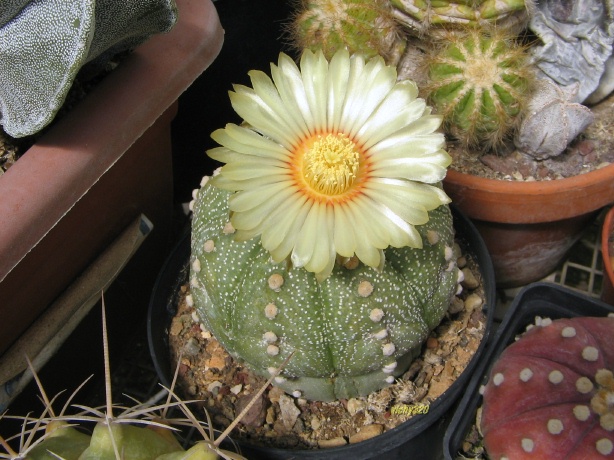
[(539, 299), (97, 169), (529, 227), (607, 252), (421, 435)]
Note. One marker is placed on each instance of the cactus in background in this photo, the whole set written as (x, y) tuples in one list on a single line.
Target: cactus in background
[(433, 17), (479, 82), (364, 26), (551, 393), (141, 432), (337, 168), (45, 43)]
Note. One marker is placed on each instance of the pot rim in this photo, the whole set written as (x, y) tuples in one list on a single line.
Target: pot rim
[(531, 202)]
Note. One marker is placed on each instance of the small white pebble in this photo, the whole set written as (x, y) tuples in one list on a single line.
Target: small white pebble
[(460, 276), (555, 426), (365, 288), (195, 317), (209, 246), (276, 281), (527, 445), (272, 350), (235, 390), (189, 300), (297, 393), (581, 413), (526, 374), (590, 354), (388, 349), (196, 265), (389, 379), (584, 385), (270, 311), (448, 253), (271, 370), (498, 379), (280, 379), (376, 315), (555, 377), (568, 332), (270, 337), (382, 334), (604, 446)]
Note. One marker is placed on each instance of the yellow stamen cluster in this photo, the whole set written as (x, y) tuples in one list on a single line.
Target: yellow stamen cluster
[(330, 164)]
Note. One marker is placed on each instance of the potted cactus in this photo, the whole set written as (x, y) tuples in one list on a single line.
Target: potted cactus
[(143, 430), (83, 181), (326, 237), (514, 81), (547, 382)]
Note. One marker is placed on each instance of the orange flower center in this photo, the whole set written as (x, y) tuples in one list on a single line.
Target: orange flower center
[(329, 166)]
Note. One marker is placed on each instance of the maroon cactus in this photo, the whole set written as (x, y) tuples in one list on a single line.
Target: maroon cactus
[(550, 395)]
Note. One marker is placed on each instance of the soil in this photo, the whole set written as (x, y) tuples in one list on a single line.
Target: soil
[(591, 150), (209, 374)]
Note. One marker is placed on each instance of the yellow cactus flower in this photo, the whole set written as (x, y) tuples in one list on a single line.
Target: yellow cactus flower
[(334, 158)]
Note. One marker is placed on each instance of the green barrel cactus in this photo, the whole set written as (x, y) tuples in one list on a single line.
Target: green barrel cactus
[(351, 334), (326, 235), (45, 43), (365, 26), (479, 82), (434, 16)]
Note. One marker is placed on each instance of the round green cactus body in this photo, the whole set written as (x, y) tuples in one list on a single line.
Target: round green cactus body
[(479, 82), (433, 16), (351, 333), (363, 26)]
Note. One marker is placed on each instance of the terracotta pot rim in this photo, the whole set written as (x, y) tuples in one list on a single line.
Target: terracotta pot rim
[(534, 202), (604, 174)]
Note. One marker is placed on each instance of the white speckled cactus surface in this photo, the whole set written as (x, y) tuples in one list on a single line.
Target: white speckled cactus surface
[(44, 44), (326, 234)]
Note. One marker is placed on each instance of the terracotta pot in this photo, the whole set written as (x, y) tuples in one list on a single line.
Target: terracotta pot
[(607, 240), (99, 167), (529, 227)]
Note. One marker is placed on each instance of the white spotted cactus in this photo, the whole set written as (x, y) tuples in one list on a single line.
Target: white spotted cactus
[(351, 334), (551, 393), (45, 43), (326, 235)]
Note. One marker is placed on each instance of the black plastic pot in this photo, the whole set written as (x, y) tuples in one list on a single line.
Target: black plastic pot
[(538, 299), (420, 438)]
